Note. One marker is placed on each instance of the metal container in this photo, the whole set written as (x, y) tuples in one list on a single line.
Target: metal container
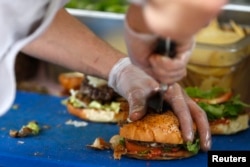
[(106, 25)]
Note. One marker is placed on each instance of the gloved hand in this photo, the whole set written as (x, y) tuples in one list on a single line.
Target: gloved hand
[(188, 112), (178, 20), (161, 67), (135, 85)]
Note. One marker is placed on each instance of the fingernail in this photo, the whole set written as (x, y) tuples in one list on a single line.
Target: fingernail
[(134, 116), (190, 136), (208, 144)]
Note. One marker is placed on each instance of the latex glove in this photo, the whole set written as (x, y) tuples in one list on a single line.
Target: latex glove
[(178, 20), (188, 111), (135, 85), (141, 52)]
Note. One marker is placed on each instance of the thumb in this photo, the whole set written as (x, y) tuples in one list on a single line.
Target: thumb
[(137, 104)]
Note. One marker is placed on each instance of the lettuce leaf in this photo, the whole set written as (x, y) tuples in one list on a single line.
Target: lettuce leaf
[(230, 109), (193, 147), (196, 92)]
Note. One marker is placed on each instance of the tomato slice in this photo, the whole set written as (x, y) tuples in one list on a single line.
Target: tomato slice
[(132, 147), (220, 121), (221, 99), (155, 151), (151, 152)]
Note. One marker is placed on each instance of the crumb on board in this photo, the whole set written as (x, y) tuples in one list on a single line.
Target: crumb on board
[(20, 142), (76, 123), (15, 107)]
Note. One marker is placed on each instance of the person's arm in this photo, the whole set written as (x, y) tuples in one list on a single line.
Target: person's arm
[(69, 43), (141, 44)]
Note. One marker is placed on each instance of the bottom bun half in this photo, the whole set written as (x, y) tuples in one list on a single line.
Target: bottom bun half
[(95, 115), (230, 126), (172, 156)]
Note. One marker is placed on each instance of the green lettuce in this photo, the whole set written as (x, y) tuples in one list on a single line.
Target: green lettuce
[(229, 109)]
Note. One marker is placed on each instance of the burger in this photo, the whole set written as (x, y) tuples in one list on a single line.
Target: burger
[(96, 101), (154, 137), (225, 111), (70, 80)]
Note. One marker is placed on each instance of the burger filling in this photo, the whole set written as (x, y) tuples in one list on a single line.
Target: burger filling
[(219, 104), (95, 94), (150, 150)]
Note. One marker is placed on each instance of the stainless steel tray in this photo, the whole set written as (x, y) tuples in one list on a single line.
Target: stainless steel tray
[(109, 26)]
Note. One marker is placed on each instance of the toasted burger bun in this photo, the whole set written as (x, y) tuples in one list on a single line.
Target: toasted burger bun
[(162, 128), (154, 137), (70, 80), (95, 115), (229, 126)]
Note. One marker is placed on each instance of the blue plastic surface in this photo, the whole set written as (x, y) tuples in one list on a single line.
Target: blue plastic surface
[(65, 145)]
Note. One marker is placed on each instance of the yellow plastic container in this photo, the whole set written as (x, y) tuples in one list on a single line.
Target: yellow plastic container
[(226, 66)]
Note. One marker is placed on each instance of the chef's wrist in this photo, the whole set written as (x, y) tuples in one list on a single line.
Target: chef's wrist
[(144, 36), (117, 70)]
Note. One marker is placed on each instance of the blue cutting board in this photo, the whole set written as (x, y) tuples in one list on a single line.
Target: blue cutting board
[(65, 145)]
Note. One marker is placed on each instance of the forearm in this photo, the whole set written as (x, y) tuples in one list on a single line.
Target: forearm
[(69, 43), (140, 40)]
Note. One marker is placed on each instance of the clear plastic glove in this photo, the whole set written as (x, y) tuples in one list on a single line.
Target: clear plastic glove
[(170, 70), (188, 112), (135, 85), (141, 49), (178, 20)]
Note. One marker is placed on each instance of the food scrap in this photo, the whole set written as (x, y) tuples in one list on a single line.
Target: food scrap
[(32, 128), (76, 123), (20, 142), (115, 143), (100, 144), (15, 107)]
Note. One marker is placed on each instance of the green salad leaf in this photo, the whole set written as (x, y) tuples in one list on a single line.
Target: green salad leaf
[(196, 92), (115, 6), (229, 109), (194, 146)]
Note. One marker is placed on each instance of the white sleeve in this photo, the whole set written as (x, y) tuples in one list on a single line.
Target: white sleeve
[(21, 22)]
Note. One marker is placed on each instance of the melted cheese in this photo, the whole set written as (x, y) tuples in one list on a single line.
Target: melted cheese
[(96, 82)]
